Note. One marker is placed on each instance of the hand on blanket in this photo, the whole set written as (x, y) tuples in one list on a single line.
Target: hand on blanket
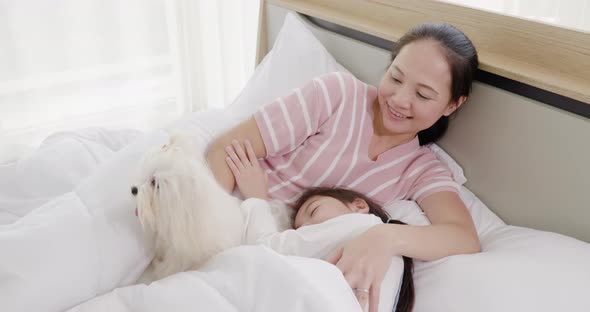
[(250, 177), (364, 262)]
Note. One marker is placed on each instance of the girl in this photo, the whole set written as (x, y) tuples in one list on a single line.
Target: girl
[(320, 204)]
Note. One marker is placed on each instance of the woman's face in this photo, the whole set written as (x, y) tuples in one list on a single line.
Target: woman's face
[(318, 209), (416, 89)]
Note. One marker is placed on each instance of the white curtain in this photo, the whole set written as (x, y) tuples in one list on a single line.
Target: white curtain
[(66, 64)]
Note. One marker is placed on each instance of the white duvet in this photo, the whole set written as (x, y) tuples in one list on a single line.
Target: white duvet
[(83, 242), (69, 240), (279, 271), (246, 278)]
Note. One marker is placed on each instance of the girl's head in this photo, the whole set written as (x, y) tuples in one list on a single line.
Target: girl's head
[(319, 204), (430, 76)]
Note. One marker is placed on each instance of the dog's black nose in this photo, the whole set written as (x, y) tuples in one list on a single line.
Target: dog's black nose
[(134, 190)]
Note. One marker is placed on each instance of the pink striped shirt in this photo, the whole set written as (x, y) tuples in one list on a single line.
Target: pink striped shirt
[(319, 136)]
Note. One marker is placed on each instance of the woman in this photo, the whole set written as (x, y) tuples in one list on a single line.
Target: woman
[(338, 131)]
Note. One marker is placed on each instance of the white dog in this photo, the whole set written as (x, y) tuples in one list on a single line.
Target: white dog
[(179, 202)]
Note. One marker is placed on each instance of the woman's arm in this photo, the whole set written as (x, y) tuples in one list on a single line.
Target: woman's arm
[(216, 154), (365, 260), (452, 231), (283, 122)]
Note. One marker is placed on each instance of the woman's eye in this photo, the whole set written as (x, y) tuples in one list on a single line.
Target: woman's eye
[(153, 182), (396, 80), (420, 95)]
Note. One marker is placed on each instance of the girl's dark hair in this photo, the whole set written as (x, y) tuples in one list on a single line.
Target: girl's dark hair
[(406, 295), (461, 57)]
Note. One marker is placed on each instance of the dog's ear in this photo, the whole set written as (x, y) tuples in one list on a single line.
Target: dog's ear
[(183, 142), (177, 201), (146, 208)]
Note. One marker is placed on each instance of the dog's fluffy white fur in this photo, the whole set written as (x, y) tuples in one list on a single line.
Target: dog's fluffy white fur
[(179, 202)]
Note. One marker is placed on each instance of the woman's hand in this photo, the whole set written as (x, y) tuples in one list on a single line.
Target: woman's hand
[(364, 262), (250, 177)]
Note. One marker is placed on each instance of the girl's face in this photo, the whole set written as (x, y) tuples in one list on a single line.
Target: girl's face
[(416, 89), (318, 209)]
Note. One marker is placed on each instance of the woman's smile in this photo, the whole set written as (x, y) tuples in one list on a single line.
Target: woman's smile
[(395, 115)]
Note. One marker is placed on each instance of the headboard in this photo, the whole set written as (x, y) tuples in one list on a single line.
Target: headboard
[(527, 160)]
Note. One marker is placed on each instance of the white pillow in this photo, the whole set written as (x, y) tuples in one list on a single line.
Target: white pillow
[(520, 269), (453, 166), (484, 219), (296, 57)]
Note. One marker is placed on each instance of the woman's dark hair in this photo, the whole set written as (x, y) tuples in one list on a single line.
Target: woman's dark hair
[(405, 302), (461, 57)]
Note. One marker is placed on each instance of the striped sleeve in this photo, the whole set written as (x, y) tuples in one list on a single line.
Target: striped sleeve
[(288, 121), (433, 177)]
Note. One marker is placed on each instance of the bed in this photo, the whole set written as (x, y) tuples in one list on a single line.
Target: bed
[(69, 238)]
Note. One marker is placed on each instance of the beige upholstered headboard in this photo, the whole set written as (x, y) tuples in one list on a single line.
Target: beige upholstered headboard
[(527, 160)]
